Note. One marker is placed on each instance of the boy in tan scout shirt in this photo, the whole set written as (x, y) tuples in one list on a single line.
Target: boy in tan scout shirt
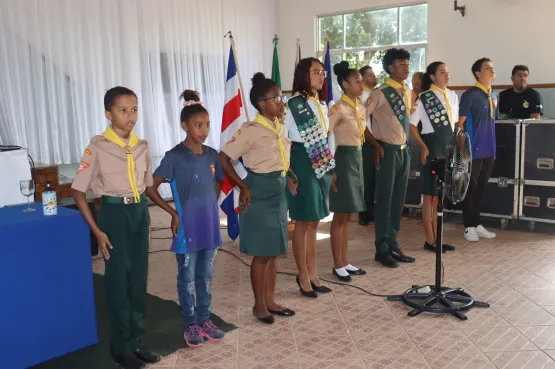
[(390, 106), (116, 165)]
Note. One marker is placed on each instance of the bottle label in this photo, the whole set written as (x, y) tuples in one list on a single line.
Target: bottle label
[(49, 203)]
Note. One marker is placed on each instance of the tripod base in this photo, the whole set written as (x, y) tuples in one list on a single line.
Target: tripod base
[(445, 301)]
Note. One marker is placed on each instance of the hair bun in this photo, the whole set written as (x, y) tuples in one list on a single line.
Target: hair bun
[(341, 68), (190, 95), (258, 78)]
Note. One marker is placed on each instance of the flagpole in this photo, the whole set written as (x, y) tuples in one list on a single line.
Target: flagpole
[(297, 58), (325, 48), (238, 74)]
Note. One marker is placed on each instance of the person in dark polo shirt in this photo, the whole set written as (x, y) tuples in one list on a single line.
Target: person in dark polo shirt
[(520, 102), (478, 110)]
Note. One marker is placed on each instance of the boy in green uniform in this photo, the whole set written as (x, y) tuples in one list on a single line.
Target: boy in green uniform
[(390, 106), (116, 165)]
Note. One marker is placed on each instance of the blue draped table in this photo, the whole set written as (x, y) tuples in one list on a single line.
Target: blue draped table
[(47, 306)]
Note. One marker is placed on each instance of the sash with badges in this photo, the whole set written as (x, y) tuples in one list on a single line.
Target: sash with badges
[(315, 139), (435, 110), (439, 119), (398, 106)]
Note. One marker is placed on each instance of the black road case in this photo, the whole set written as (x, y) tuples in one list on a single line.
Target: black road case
[(413, 198), (537, 198)]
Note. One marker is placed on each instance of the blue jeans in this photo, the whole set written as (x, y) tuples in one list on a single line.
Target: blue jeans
[(194, 273)]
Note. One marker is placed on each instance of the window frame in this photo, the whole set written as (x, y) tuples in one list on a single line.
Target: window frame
[(344, 49)]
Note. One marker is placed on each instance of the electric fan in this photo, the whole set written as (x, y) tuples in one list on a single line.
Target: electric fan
[(453, 176)]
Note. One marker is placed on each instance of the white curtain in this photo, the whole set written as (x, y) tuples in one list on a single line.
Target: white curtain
[(58, 58)]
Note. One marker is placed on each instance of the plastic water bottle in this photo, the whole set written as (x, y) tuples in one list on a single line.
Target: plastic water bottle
[(49, 200)]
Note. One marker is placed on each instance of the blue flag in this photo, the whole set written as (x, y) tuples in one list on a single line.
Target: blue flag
[(327, 67)]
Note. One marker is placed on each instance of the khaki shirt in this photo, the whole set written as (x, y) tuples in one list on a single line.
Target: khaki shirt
[(344, 124), (259, 147), (104, 168), (385, 125)]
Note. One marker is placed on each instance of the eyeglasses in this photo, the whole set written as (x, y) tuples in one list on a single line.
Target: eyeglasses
[(277, 99), (320, 72)]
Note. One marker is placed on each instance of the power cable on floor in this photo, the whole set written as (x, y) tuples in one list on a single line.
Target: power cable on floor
[(248, 265)]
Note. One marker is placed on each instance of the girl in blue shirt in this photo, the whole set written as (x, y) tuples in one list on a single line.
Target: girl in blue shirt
[(195, 175)]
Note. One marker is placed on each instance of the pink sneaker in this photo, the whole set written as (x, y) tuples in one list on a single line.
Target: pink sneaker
[(193, 336), (211, 332)]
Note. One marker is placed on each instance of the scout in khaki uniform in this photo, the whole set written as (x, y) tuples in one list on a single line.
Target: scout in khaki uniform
[(116, 165), (347, 195), (312, 163), (369, 168), (264, 146), (390, 106), (438, 111)]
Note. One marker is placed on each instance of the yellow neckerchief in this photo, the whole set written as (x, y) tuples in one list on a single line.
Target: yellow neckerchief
[(361, 125), (133, 140), (368, 89), (396, 85), (261, 120), (322, 117), (488, 92), (447, 103)]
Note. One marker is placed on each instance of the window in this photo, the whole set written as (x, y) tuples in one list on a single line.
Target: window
[(362, 38)]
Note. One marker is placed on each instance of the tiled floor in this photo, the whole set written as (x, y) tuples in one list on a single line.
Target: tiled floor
[(515, 273)]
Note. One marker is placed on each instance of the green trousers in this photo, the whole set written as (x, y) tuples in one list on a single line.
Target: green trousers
[(369, 171), (127, 227), (391, 188)]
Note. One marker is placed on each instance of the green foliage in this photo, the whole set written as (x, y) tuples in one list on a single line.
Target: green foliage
[(373, 29)]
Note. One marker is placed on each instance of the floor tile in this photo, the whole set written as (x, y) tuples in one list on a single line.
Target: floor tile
[(499, 339), (514, 273), (521, 359)]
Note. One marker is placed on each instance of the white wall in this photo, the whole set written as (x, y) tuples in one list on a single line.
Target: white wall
[(508, 31)]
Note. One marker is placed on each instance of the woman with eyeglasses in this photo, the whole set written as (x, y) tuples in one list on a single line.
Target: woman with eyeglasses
[(312, 163), (347, 121), (264, 146)]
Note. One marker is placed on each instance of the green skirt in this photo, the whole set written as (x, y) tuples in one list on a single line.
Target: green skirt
[(429, 181), (264, 225), (310, 203), (349, 197)]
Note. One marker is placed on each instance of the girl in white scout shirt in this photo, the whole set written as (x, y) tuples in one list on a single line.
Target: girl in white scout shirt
[(438, 110)]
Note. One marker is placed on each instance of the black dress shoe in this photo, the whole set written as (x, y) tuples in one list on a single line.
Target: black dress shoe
[(386, 260), (320, 289), (284, 312), (309, 294), (129, 362), (432, 247), (341, 278), (266, 320), (447, 247), (356, 272), (399, 256), (147, 356)]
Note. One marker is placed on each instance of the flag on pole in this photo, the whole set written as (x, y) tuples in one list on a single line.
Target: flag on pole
[(298, 53), (275, 65), (328, 68), (232, 119)]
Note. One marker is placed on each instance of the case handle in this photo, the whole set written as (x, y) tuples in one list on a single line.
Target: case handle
[(544, 163), (532, 201)]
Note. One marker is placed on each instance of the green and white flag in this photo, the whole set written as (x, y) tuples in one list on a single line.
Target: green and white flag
[(275, 64)]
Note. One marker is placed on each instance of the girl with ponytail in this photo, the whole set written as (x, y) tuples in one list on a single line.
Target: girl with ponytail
[(265, 148), (438, 110)]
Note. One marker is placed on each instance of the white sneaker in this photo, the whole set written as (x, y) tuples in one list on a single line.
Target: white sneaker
[(471, 235), (484, 233)]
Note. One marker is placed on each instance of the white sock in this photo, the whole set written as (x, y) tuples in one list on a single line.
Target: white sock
[(351, 268), (342, 272)]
